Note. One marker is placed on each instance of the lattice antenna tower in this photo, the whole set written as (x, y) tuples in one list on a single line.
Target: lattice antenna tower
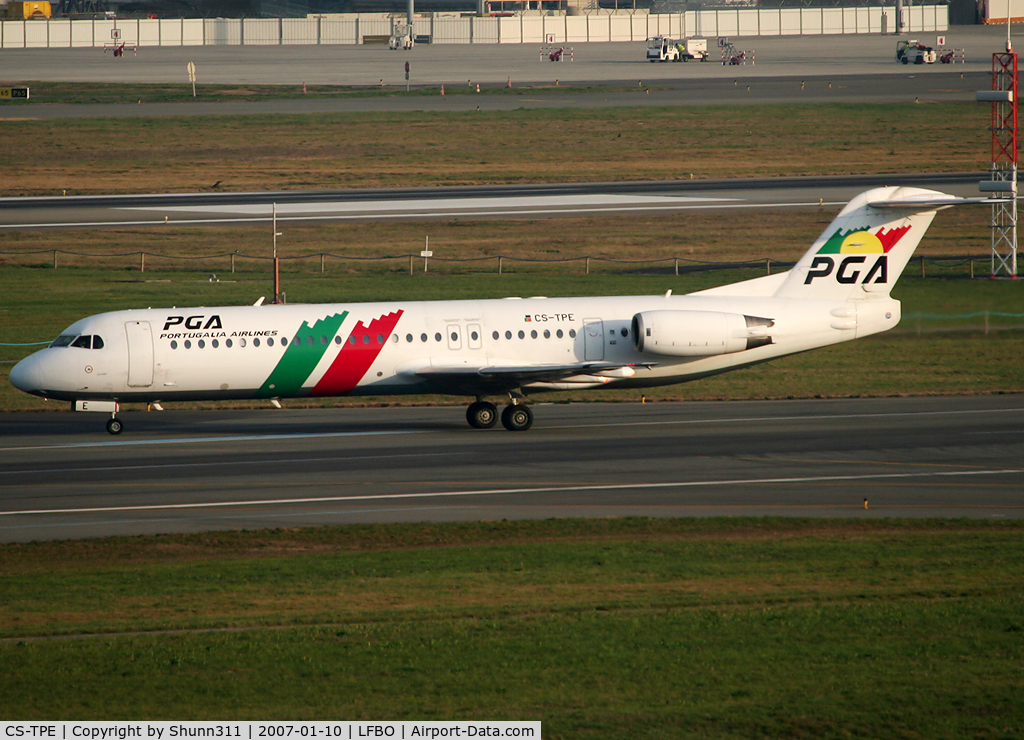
[(1003, 183)]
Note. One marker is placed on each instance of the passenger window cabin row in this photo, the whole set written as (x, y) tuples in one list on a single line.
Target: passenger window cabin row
[(94, 341)]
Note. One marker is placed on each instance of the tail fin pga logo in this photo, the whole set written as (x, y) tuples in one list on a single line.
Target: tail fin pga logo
[(858, 245), (847, 273)]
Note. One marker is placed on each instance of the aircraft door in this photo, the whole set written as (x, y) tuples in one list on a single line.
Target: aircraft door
[(593, 339), (140, 353)]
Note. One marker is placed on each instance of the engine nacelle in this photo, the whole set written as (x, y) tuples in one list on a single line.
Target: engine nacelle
[(699, 333)]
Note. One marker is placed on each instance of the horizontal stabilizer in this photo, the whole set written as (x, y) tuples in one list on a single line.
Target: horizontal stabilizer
[(926, 203)]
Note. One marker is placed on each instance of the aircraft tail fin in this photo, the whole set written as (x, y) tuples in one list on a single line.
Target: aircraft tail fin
[(864, 250)]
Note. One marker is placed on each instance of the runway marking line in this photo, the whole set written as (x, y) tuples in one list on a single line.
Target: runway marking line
[(851, 461), (395, 216), (206, 440), (497, 491), (430, 205)]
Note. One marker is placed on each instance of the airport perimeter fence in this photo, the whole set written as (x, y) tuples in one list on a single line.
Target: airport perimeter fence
[(321, 262), (411, 263), (525, 28)]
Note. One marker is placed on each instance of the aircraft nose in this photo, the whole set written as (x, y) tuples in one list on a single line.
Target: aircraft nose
[(25, 375)]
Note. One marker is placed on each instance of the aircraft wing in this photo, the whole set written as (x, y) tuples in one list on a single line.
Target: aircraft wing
[(501, 378)]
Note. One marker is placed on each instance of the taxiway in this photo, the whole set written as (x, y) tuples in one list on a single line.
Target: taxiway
[(62, 476)]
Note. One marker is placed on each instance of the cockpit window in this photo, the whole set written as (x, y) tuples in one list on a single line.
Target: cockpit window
[(85, 341)]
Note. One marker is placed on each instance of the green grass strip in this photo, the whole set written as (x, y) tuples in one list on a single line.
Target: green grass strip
[(631, 628)]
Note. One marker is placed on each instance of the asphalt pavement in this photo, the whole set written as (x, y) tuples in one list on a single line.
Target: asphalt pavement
[(62, 475), (785, 69)]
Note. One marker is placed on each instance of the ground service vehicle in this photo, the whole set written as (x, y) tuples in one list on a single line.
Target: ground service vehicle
[(693, 49), (912, 52), (29, 9), (402, 38), (661, 49)]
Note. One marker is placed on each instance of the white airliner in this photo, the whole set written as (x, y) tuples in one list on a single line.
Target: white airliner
[(838, 291)]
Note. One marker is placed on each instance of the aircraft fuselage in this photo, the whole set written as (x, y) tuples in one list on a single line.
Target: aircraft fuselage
[(298, 350)]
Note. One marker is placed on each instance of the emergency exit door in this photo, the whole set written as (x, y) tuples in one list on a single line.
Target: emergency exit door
[(593, 339)]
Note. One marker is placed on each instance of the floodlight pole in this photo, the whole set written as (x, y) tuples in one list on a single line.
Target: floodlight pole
[(277, 262)]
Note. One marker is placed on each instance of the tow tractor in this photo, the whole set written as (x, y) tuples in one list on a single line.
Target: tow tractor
[(661, 49), (912, 52), (402, 38)]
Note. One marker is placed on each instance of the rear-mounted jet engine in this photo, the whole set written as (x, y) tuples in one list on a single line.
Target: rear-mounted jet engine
[(699, 333)]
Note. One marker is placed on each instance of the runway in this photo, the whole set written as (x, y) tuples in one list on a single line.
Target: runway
[(62, 476), (516, 201)]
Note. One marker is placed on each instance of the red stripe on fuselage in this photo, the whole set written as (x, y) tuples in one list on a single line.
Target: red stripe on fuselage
[(355, 358)]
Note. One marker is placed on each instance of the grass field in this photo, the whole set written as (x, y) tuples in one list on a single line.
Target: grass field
[(629, 628), (294, 152)]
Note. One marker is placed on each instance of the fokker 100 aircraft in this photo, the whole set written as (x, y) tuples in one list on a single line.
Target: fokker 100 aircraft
[(838, 291)]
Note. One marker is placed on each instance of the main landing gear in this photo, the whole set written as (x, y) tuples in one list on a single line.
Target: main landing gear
[(516, 417), (482, 414)]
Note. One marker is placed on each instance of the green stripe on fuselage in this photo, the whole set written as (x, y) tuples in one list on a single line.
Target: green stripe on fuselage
[(301, 357)]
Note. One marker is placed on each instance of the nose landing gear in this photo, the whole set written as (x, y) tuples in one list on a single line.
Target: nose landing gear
[(114, 425)]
